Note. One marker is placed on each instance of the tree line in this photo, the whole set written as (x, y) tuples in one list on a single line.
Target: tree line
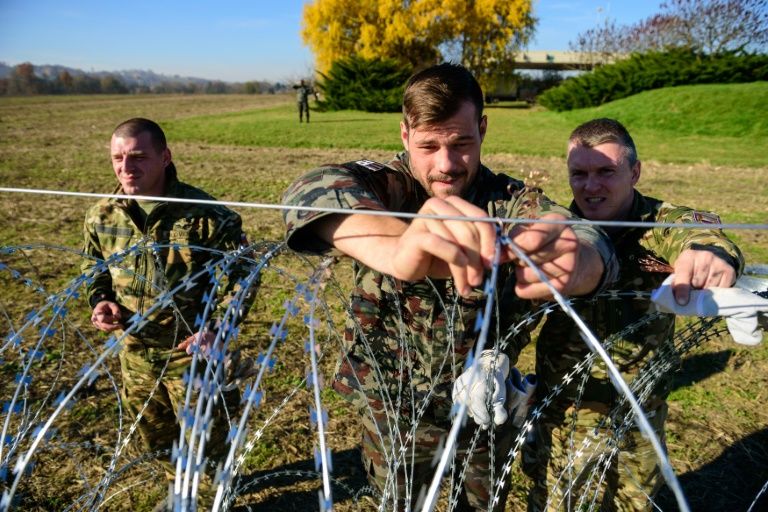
[(23, 81), (365, 49), (708, 27)]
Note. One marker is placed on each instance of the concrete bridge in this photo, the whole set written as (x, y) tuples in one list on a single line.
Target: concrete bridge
[(556, 60)]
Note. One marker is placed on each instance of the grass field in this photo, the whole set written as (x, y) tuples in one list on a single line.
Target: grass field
[(716, 124), (249, 148)]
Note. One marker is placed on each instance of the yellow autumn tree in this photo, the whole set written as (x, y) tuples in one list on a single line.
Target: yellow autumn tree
[(484, 35)]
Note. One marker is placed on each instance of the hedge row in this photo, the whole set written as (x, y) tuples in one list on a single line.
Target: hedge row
[(653, 70)]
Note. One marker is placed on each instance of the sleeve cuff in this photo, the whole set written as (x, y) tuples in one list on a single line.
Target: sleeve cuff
[(98, 297)]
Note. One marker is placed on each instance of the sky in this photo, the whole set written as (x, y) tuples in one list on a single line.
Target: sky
[(230, 40)]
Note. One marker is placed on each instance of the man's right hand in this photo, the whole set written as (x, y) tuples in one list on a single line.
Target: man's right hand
[(106, 316), (446, 248), (421, 248)]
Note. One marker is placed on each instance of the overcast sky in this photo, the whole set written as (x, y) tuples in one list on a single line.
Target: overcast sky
[(232, 40)]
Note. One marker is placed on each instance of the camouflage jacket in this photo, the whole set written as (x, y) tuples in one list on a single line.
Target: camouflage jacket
[(190, 236), (559, 346), (303, 92), (407, 339)]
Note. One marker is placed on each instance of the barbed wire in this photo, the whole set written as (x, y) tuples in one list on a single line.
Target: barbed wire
[(201, 394), (386, 213)]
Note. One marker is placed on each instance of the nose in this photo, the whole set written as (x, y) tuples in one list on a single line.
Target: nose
[(444, 160), (592, 183), (126, 163)]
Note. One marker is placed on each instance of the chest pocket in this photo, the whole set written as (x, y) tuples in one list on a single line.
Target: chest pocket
[(185, 237), (114, 239), (187, 231)]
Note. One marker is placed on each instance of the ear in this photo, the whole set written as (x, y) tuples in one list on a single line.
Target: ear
[(404, 134), (636, 173), (167, 158), (483, 127)]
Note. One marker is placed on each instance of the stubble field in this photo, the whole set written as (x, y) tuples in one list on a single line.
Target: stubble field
[(718, 429)]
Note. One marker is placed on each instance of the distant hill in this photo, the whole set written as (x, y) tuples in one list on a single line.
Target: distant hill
[(131, 78), (48, 79)]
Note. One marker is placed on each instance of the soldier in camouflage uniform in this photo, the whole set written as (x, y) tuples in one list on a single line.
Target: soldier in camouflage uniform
[(159, 349), (416, 298), (603, 170), (303, 91)]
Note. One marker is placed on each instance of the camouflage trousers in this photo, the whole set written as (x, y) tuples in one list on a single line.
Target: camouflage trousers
[(153, 386), (576, 457), (303, 109), (417, 456)]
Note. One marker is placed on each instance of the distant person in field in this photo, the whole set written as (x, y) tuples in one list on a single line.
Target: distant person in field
[(603, 169), (303, 91), (159, 351)]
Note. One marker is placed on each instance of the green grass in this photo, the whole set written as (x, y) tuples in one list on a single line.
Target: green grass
[(279, 127), (712, 110), (716, 124), (246, 148)]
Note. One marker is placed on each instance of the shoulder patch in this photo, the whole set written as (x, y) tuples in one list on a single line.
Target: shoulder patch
[(370, 164), (706, 217)]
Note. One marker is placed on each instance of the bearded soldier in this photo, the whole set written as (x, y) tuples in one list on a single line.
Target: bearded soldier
[(417, 282)]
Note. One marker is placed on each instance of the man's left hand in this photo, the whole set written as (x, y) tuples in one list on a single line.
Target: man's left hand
[(572, 267), (700, 269), (205, 343)]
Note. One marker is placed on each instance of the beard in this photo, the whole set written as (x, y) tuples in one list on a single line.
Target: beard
[(450, 184)]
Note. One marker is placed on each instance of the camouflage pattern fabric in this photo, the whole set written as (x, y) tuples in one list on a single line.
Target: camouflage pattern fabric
[(303, 92), (303, 110), (416, 460), (302, 99), (634, 475), (406, 342), (112, 226), (158, 428)]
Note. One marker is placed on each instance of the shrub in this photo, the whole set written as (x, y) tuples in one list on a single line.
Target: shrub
[(356, 83), (653, 70)]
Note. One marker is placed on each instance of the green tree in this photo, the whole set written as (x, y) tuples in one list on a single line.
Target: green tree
[(356, 83), (654, 70)]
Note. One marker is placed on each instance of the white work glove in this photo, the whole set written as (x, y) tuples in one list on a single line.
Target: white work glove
[(745, 313), (521, 395), (488, 385)]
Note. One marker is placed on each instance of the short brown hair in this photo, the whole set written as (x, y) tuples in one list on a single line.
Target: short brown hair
[(138, 125), (435, 94), (602, 131)]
